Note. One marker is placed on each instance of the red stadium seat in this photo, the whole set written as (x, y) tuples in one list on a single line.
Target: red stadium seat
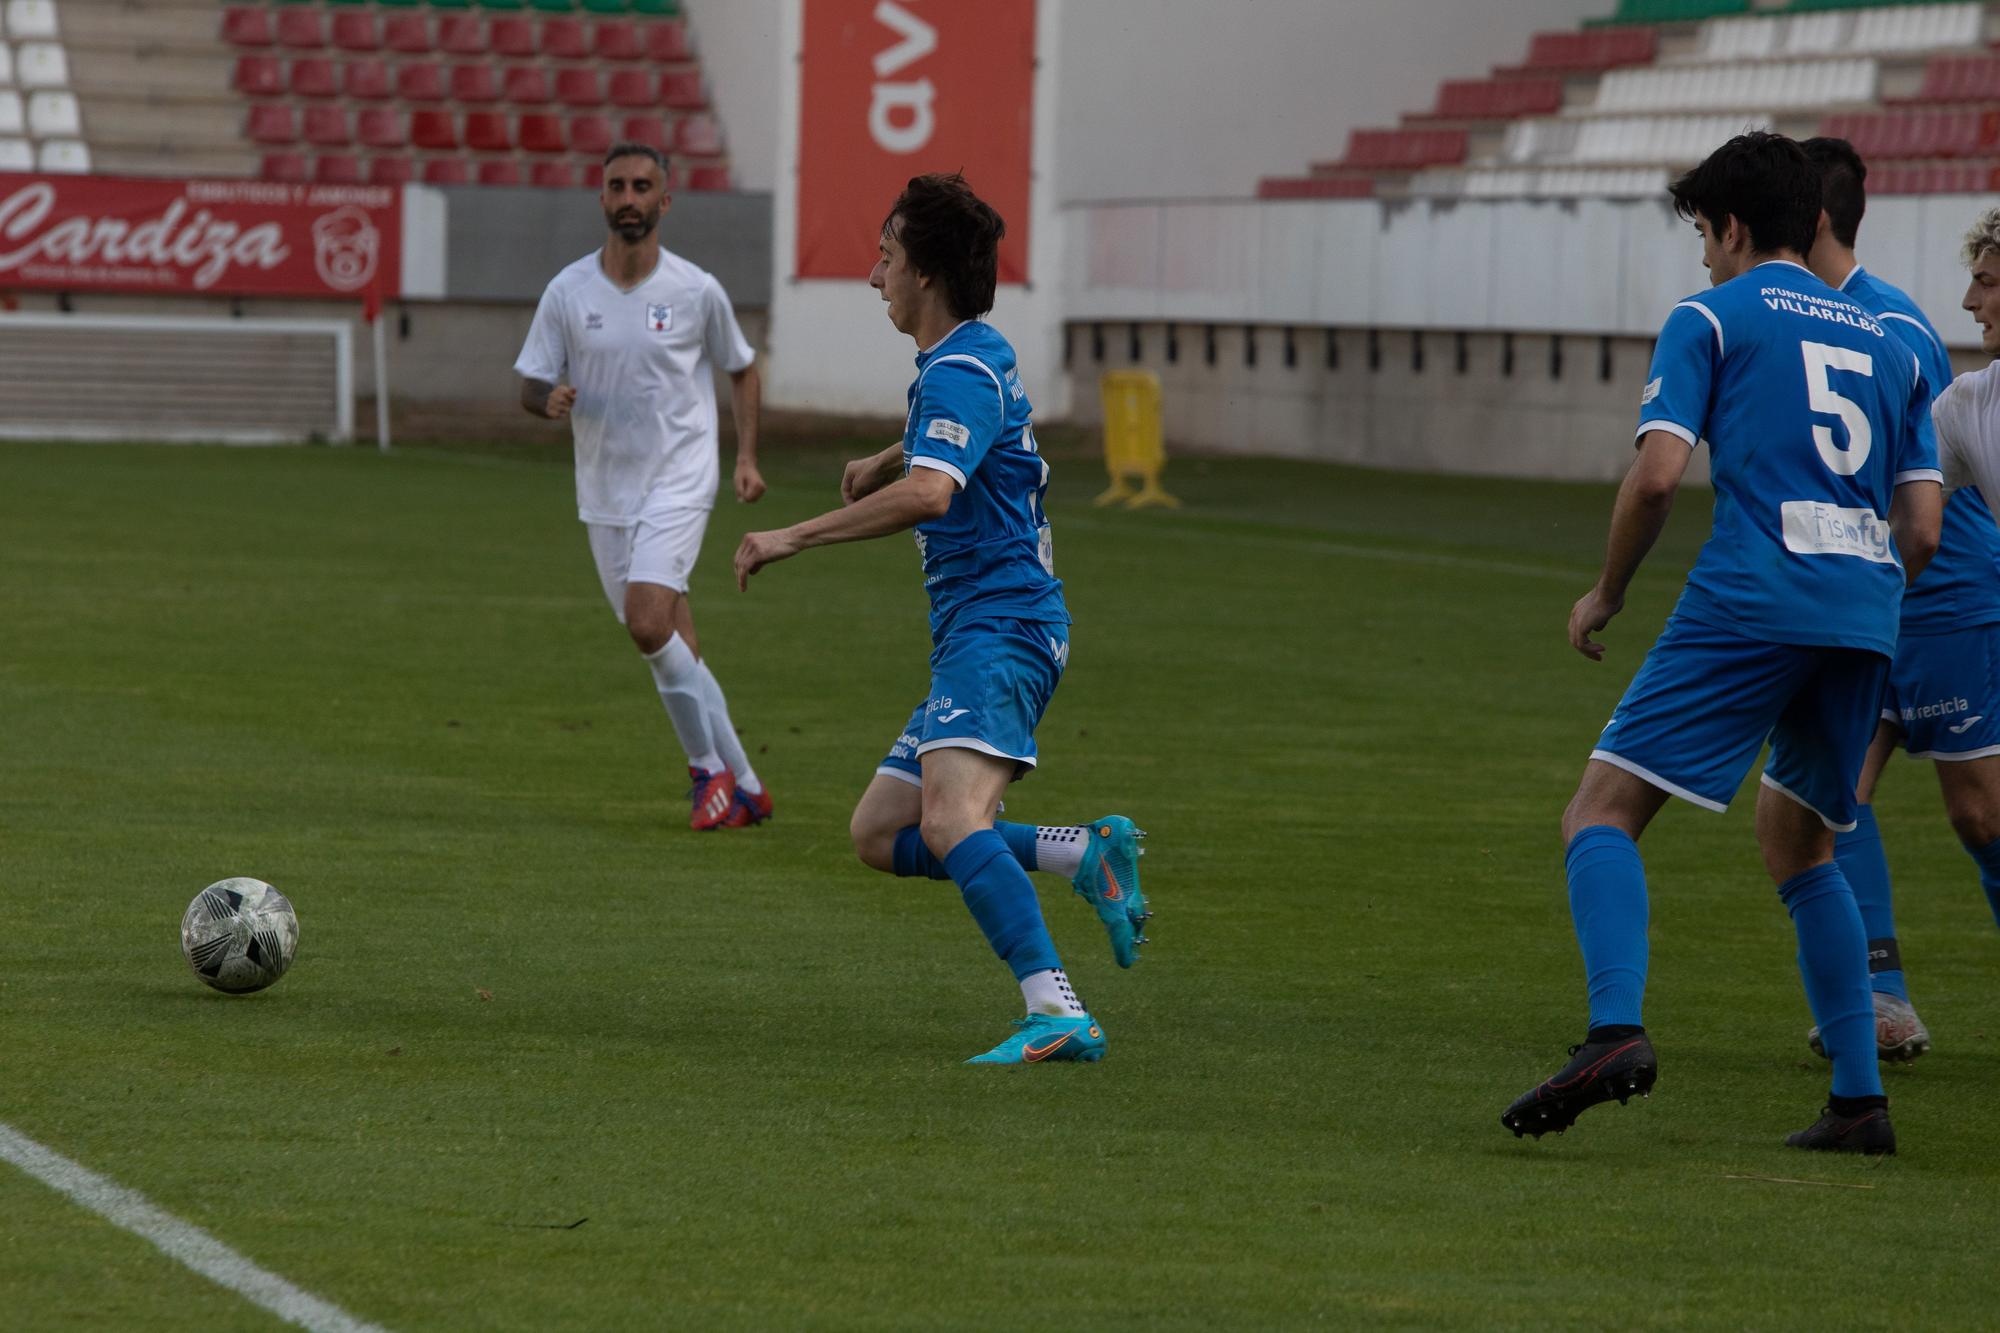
[(634, 87), (391, 171), (272, 122), (338, 169), (356, 30), (527, 85), (563, 39), (420, 81), (543, 133), (579, 87), (708, 178), (504, 171), (488, 131), (553, 176), (328, 127), (314, 77), (593, 175), (474, 83), (301, 29), (435, 129), (1498, 99), (616, 39), (446, 171), (697, 136), (382, 127), (409, 34), (368, 80), (461, 34), (682, 90), (648, 130), (512, 37), (247, 25), (1315, 187), (1593, 49), (289, 167), (258, 76), (588, 134), (666, 42)]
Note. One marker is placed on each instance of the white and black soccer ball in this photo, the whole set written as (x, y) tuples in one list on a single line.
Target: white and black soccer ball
[(239, 935)]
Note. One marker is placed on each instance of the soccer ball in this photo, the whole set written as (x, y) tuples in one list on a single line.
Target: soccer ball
[(239, 935)]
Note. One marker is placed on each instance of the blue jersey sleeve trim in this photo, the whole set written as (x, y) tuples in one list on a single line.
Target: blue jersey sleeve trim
[(998, 388), (938, 464), (1708, 315), (1914, 323), (1920, 474), (1673, 428)]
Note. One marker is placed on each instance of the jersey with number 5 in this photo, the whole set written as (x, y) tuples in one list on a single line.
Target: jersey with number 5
[(1813, 415), (990, 555)]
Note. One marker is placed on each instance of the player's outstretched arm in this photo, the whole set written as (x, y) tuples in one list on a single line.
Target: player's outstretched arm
[(1644, 500), (923, 495), (865, 476), (542, 399), (1916, 516), (746, 403)]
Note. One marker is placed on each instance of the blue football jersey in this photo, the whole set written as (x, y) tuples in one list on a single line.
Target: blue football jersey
[(1813, 415), (1961, 585), (990, 555)]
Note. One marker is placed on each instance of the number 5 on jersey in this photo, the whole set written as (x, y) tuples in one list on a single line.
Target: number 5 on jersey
[(1821, 397)]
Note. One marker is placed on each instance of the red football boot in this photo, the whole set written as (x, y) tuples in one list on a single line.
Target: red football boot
[(748, 809), (713, 796)]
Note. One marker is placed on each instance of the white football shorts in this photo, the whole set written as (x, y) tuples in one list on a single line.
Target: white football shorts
[(660, 548)]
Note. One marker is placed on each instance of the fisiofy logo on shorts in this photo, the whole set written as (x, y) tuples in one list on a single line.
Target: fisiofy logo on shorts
[(1942, 708)]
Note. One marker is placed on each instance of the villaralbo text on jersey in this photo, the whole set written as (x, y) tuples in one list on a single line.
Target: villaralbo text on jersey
[(1818, 307)]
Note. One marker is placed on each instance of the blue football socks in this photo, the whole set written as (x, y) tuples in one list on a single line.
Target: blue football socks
[(1607, 900), (1989, 874), (1020, 841), (1859, 852), (914, 860), (1002, 900), (1833, 962)]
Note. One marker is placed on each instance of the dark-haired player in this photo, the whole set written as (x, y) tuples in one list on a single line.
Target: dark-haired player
[(1943, 701), (968, 478), (1826, 491)]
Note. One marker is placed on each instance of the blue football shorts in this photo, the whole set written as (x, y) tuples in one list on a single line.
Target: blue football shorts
[(1944, 693), (1705, 700), (990, 682)]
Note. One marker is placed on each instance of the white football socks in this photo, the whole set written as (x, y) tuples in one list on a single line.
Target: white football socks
[(1059, 851), (678, 676), (1049, 993), (724, 732)]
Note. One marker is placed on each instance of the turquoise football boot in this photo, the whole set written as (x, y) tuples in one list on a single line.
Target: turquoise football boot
[(1109, 881), (1044, 1037)]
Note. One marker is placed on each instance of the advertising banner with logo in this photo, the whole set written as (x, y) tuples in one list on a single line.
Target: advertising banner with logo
[(200, 237), (890, 89)]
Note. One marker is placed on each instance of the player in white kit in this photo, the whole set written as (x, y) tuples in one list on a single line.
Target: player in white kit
[(623, 344)]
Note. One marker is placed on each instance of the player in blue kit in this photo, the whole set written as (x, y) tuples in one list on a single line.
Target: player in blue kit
[(1943, 700), (1826, 493), (968, 477)]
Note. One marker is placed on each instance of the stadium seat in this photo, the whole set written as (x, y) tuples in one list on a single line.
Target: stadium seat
[(511, 37), (611, 40), (356, 30), (697, 136), (527, 85), (255, 76), (6, 65), (391, 171), (247, 25), (435, 129), (338, 169), (588, 134), (489, 132), (657, 8), (301, 29), (553, 6), (41, 65), (447, 171), (462, 35), (327, 126), (313, 77), (1591, 50), (682, 89), (474, 83), (563, 39), (407, 34), (381, 127), (508, 6), (290, 167), (648, 130), (579, 87), (708, 178), (501, 171), (606, 6), (13, 113), (29, 19), (633, 88), (1315, 187), (1498, 99), (542, 133), (368, 80), (53, 115), (553, 176), (420, 81), (271, 122), (666, 42), (593, 175), (16, 155), (67, 157)]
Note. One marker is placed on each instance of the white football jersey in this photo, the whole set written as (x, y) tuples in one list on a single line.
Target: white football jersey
[(641, 362), (1967, 418)]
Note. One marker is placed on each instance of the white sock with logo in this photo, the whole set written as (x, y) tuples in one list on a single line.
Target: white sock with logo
[(724, 732), (1049, 993), (678, 676), (1059, 850)]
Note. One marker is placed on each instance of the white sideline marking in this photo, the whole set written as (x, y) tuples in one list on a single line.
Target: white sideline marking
[(182, 1241)]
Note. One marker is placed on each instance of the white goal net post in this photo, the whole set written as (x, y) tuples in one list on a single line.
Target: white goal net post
[(176, 378)]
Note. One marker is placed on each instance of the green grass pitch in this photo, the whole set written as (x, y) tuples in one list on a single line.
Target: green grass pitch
[(1340, 701)]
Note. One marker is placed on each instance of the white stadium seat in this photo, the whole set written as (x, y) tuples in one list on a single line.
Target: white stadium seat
[(31, 18), (41, 65), (53, 116), (13, 119), (16, 155), (1747, 85), (64, 155), (6, 65)]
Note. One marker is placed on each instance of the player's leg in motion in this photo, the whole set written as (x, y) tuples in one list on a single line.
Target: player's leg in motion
[(654, 615), (751, 803), (1972, 800)]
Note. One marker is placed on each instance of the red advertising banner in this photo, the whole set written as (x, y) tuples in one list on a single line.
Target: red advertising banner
[(890, 89), (200, 237)]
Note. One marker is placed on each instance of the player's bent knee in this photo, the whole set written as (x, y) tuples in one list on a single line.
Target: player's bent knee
[(873, 844), (942, 832), (1977, 825)]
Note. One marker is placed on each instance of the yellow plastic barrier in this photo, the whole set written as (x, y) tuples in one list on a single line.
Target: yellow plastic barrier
[(1134, 440)]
